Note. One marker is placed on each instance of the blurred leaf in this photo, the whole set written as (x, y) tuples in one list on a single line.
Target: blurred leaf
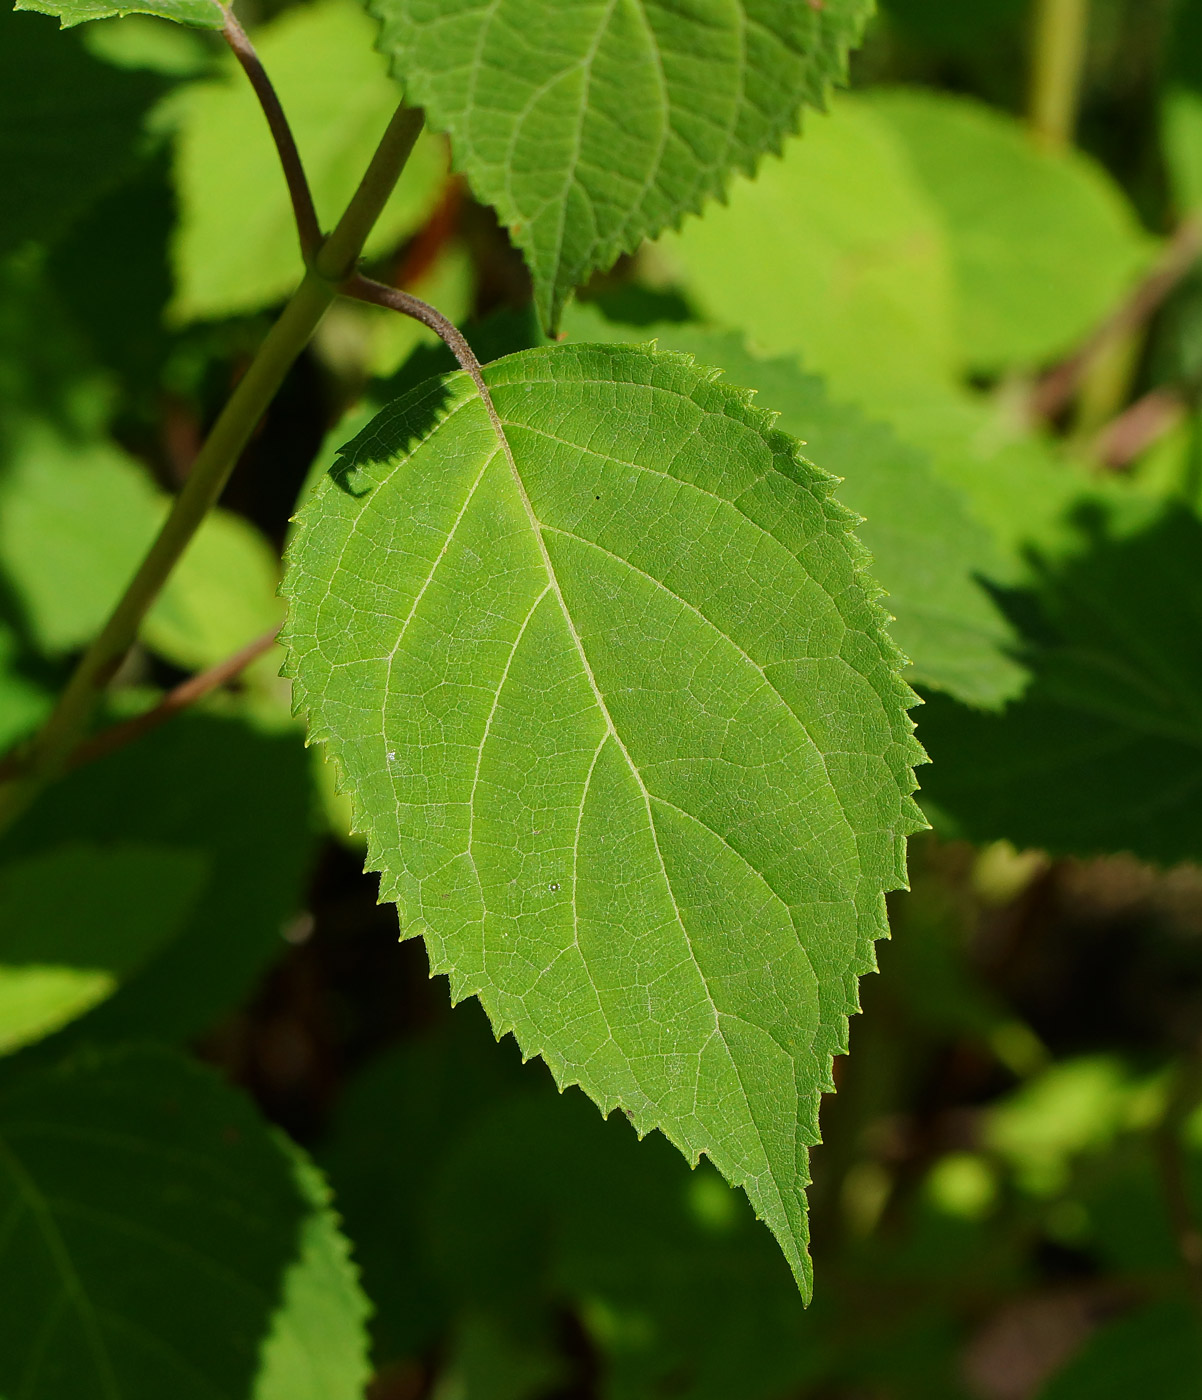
[(521, 1202), (24, 701), (203, 14), (591, 126), (70, 127), (1070, 1108), (1102, 752), (587, 838), (1043, 245), (76, 518), (1181, 120), (1155, 1353), (76, 921), (161, 1241), (234, 797), (863, 264), (927, 553), (235, 247)]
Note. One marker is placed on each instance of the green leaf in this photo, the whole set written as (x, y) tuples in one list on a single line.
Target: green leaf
[(865, 264), (200, 14), (624, 732), (927, 552), (235, 245), (593, 125), (1102, 752), (75, 519), (76, 921), (221, 792), (1042, 244), (161, 1240), (70, 127)]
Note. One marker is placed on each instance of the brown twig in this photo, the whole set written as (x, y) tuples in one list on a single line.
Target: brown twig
[(1139, 426), (1055, 390), (187, 693), (307, 227), (365, 289)]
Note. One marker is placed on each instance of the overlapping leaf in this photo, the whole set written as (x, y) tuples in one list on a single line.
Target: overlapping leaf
[(199, 14), (624, 732), (160, 1240), (589, 126)]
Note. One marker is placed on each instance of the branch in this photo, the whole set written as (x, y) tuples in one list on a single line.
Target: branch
[(43, 758), (307, 227), (365, 289), (185, 694), (1052, 394), (1058, 59), (1140, 425)]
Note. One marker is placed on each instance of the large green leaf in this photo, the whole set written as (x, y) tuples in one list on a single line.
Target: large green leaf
[(159, 1240), (1154, 1352), (70, 127), (592, 125), (227, 795), (1104, 751), (74, 922), (624, 732), (235, 245), (927, 552), (1043, 244)]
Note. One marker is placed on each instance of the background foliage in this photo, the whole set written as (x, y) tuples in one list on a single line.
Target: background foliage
[(206, 1022)]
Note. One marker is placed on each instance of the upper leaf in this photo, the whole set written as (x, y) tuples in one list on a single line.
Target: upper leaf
[(624, 732), (160, 1240), (592, 125), (200, 14)]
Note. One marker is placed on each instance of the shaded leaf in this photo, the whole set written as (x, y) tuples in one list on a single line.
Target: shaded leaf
[(593, 125), (161, 1240), (1155, 1353), (223, 792), (624, 732), (71, 127), (76, 921), (1103, 751)]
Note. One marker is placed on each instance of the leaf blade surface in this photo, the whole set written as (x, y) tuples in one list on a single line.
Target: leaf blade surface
[(624, 732), (589, 126)]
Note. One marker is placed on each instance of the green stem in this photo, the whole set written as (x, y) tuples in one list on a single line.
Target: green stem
[(47, 753), (1057, 60)]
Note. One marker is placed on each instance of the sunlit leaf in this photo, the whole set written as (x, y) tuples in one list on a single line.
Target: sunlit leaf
[(624, 732), (590, 126)]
